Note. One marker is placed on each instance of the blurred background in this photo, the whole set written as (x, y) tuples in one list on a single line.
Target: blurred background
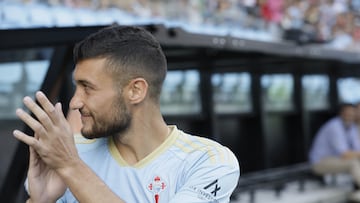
[(259, 76), (333, 23)]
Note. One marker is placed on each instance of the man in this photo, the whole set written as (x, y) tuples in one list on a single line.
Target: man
[(336, 147), (129, 154)]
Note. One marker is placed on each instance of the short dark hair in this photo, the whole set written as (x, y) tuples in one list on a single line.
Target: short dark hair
[(344, 105), (130, 52)]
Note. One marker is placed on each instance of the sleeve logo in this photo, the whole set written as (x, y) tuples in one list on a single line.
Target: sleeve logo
[(213, 186)]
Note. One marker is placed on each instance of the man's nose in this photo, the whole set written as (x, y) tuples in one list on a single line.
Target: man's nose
[(76, 102)]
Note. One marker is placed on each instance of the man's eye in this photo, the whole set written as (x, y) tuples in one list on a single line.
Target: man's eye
[(86, 88)]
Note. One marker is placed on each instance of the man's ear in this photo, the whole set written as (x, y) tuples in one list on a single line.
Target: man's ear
[(137, 90)]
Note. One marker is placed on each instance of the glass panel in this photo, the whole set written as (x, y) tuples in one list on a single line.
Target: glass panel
[(21, 73), (348, 90), (315, 89), (232, 92), (180, 94), (277, 92), (18, 79)]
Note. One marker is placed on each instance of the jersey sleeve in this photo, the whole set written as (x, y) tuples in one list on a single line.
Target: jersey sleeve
[(210, 180)]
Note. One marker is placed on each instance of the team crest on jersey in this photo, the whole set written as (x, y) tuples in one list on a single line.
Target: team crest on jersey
[(156, 186)]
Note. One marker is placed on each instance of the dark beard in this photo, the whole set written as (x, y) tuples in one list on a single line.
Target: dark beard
[(118, 124)]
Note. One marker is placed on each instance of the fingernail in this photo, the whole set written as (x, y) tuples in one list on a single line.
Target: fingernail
[(27, 99), (18, 111), (16, 132), (39, 93)]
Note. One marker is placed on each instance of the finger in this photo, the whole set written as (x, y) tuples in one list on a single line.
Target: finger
[(58, 107), (65, 124), (40, 114), (26, 139), (31, 122), (36, 136), (47, 106)]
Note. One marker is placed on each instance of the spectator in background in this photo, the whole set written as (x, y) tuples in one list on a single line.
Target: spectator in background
[(355, 45), (124, 5), (312, 13), (357, 116), (312, 22), (317, 21), (327, 18), (341, 31), (336, 147), (293, 15), (271, 10)]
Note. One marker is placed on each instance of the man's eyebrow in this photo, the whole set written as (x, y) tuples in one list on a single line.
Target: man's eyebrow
[(84, 82)]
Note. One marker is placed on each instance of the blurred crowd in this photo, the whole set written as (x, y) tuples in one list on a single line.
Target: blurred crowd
[(332, 23)]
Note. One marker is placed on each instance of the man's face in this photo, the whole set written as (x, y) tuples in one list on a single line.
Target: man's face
[(103, 109), (357, 113), (348, 115)]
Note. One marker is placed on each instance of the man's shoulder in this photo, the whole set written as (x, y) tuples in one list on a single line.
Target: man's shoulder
[(206, 158), (196, 148), (332, 123)]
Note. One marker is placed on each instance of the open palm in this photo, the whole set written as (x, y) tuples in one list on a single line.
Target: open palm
[(44, 183)]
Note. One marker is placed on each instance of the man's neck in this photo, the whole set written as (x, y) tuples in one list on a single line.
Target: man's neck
[(138, 143)]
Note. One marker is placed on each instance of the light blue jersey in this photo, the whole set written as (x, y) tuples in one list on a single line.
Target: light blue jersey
[(183, 169)]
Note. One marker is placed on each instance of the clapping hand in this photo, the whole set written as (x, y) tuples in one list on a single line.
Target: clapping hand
[(52, 148)]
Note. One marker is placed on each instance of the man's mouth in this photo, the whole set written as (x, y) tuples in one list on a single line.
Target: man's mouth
[(85, 115)]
